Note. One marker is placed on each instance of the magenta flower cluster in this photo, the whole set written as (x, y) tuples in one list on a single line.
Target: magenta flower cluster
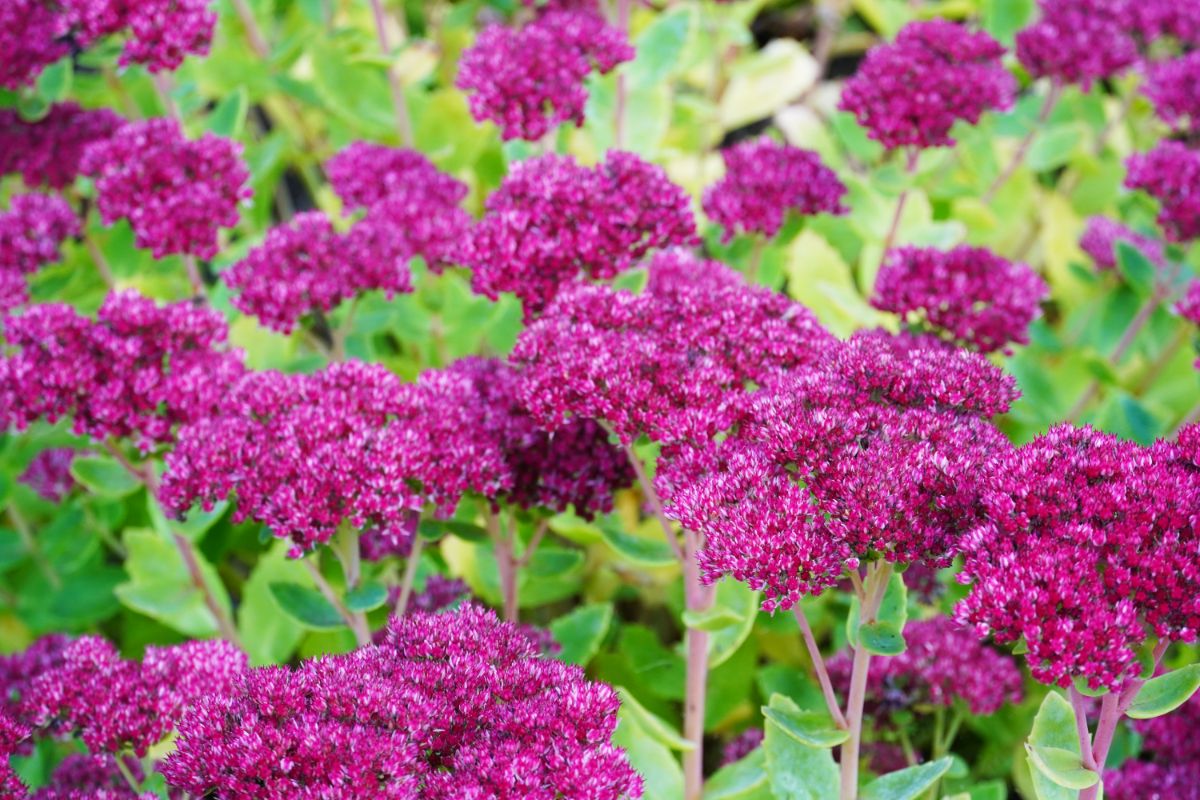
[(1088, 544), (1173, 768), (664, 363), (92, 777), (47, 152), (552, 222), (1189, 306), (968, 295), (1170, 174), (1155, 19), (453, 705), (1100, 239), (1172, 87), (944, 664), (764, 181), (31, 233), (176, 193), (136, 371), (911, 92), (49, 474), (1078, 41), (31, 39), (529, 80), (741, 746), (878, 450)]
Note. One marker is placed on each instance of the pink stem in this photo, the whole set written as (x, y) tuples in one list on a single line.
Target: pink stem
[(876, 584), (814, 655), (697, 598), (1023, 148), (1110, 715), (410, 576), (403, 122), (1081, 727)]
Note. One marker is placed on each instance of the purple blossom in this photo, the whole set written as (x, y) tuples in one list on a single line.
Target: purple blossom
[(33, 230), (455, 705), (1154, 19), (529, 80), (90, 777), (1100, 239), (1088, 543), (13, 737), (1170, 173), (18, 670), (114, 704), (176, 193), (665, 363), (909, 93), (163, 32), (439, 594), (923, 583), (49, 474), (1078, 41), (137, 371), (876, 451), (1140, 780), (1172, 87), (47, 152), (31, 34), (365, 173), (553, 221), (14, 291), (764, 181), (1189, 306), (741, 746), (968, 295)]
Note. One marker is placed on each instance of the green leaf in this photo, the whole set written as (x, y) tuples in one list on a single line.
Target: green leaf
[(660, 45), (554, 562), (745, 779), (1164, 694), (582, 631), (1062, 766), (712, 619), (1053, 146), (306, 605), (649, 757), (160, 586), (1054, 727), (811, 728), (1138, 270), (54, 84), (1003, 18), (736, 598), (884, 636), (795, 770), (907, 784), (229, 117), (653, 725), (268, 636), (432, 530), (103, 476), (367, 597), (636, 549)]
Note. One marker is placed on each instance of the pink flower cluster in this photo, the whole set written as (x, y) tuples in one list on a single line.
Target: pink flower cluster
[(31, 233), (529, 80), (944, 664), (175, 193), (91, 777), (1078, 41), (911, 92), (364, 173), (1155, 19), (1170, 173), (455, 705), (553, 221), (741, 746), (1189, 306), (137, 370), (1088, 542), (1174, 769), (764, 181), (48, 152), (878, 450), (1100, 239), (967, 295), (31, 39), (49, 474), (667, 362), (1172, 87), (114, 704)]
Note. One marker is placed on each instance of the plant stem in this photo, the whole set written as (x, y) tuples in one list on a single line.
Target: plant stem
[(697, 597), (254, 34), (403, 122), (99, 261), (818, 662), (901, 202), (1023, 148), (878, 575), (621, 101), (361, 634), (410, 576), (1081, 728), (194, 277), (539, 533), (123, 768), (31, 546), (502, 547), (1110, 715), (656, 504)]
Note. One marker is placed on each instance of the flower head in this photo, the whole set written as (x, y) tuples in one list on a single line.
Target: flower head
[(92, 777), (456, 705), (176, 193), (14, 291), (741, 746), (529, 80), (49, 474), (137, 370), (47, 152), (909, 93), (553, 221), (365, 173), (32, 230), (31, 39), (764, 181), (163, 32), (1174, 769), (1155, 19), (1170, 173), (1172, 87), (968, 295), (1189, 306), (1078, 41), (1100, 239)]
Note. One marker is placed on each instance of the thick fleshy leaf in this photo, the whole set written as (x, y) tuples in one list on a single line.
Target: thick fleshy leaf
[(1164, 694)]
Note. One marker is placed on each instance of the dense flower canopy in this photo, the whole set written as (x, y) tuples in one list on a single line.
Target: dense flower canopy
[(176, 193), (1173, 770), (1173, 88), (30, 40), (1100, 239), (879, 449), (1088, 545), (764, 181), (31, 234), (529, 80), (909, 93), (451, 706), (552, 222), (1170, 173), (136, 371), (48, 151), (49, 473), (967, 295), (1078, 41)]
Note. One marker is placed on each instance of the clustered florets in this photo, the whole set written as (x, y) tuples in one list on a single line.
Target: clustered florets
[(31, 233), (136, 371), (1087, 544), (448, 706), (909, 93), (49, 474), (1173, 770), (967, 295), (764, 181), (553, 221), (667, 362), (529, 80), (1100, 239), (176, 193), (1172, 87), (741, 746), (1078, 41), (879, 450), (47, 152), (1170, 173)]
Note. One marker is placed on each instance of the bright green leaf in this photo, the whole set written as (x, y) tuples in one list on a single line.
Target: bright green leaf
[(1062, 766), (306, 605), (1138, 270), (795, 770), (637, 550), (1054, 727), (712, 619), (103, 476), (743, 780), (653, 725), (1164, 694), (907, 784), (229, 117), (581, 632), (811, 728), (367, 597)]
